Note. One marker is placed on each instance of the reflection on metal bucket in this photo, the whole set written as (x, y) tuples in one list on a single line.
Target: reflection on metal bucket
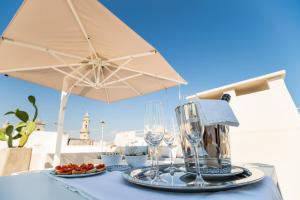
[(214, 149)]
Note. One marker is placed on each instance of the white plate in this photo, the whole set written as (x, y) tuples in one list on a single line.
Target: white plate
[(235, 170), (76, 175)]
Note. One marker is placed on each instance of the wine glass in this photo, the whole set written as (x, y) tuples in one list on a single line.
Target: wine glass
[(150, 173), (194, 130), (170, 136), (154, 131)]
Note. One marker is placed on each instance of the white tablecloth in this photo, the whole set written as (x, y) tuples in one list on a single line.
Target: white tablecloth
[(111, 186)]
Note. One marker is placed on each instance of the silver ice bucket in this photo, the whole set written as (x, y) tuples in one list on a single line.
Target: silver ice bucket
[(214, 149)]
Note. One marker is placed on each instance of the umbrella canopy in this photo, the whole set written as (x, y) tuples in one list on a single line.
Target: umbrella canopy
[(84, 44), (80, 47)]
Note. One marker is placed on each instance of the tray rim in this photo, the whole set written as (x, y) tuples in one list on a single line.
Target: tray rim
[(256, 176)]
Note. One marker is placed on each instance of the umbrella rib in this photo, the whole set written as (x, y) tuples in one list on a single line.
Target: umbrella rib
[(81, 26), (84, 85), (149, 53), (106, 93), (129, 85), (98, 75), (104, 87), (150, 74), (78, 81), (114, 72), (38, 67), (121, 80), (109, 62), (73, 70), (70, 75), (39, 48), (94, 72), (80, 74), (119, 86)]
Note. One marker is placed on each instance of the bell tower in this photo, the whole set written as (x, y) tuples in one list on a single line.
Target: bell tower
[(84, 131)]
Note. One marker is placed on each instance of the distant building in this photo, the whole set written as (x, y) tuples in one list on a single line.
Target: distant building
[(84, 131), (129, 138), (84, 138)]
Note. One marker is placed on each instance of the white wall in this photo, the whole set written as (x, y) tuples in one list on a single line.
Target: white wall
[(271, 109), (43, 143), (269, 130), (269, 133), (278, 148)]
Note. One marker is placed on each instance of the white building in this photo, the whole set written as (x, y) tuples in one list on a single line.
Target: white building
[(43, 148), (127, 138), (84, 131), (269, 130)]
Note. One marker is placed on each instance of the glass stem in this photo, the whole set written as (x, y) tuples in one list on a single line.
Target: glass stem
[(156, 159), (171, 157), (199, 179), (151, 156)]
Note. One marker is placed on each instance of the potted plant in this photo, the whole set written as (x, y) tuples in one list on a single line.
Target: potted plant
[(17, 158)]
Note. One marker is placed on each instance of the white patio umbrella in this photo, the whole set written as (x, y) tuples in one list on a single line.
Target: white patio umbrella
[(80, 47)]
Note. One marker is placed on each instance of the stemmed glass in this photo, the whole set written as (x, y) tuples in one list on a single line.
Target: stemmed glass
[(154, 131), (194, 130), (169, 139)]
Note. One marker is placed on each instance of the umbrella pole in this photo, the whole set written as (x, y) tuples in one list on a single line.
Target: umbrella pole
[(60, 127)]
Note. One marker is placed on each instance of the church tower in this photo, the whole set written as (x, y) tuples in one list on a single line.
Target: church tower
[(84, 131)]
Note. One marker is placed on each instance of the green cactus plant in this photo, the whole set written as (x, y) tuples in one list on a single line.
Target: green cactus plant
[(3, 136), (24, 128), (9, 132), (26, 132)]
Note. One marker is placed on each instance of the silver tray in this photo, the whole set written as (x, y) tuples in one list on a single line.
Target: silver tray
[(179, 182)]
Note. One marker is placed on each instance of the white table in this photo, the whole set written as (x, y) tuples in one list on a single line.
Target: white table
[(111, 186)]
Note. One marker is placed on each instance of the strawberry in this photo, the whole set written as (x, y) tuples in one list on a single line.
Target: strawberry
[(100, 166)]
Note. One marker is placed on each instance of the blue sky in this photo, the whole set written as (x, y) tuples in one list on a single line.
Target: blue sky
[(209, 42)]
